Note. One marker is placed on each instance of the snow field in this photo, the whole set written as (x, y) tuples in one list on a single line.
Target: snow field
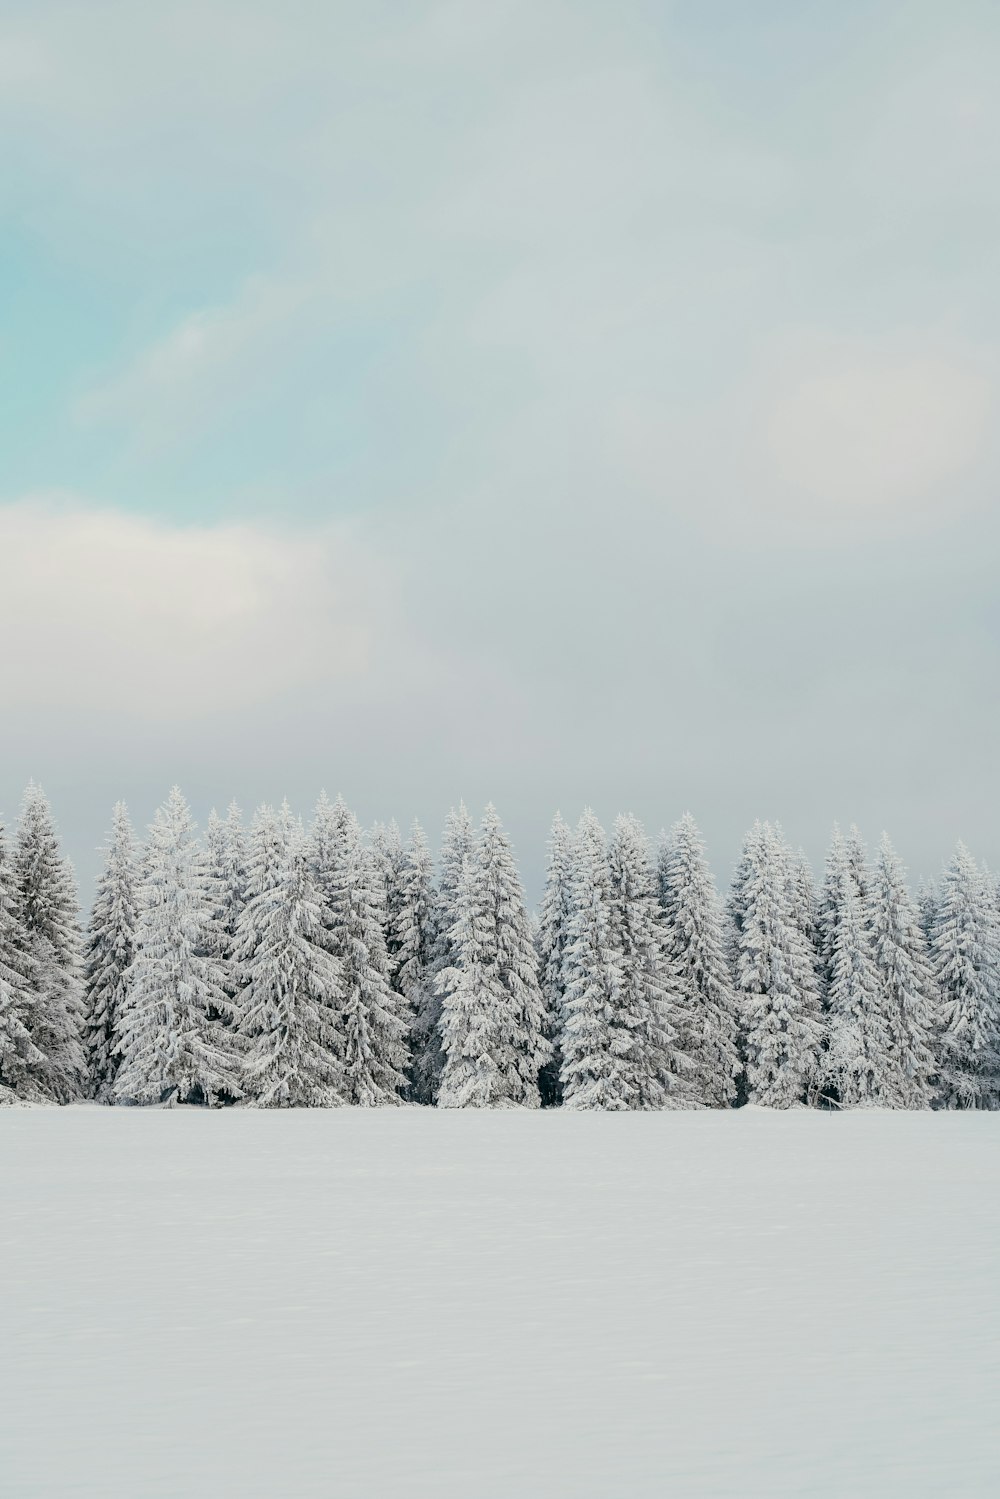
[(474, 1304)]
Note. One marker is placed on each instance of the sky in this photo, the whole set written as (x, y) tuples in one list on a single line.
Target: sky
[(546, 403)]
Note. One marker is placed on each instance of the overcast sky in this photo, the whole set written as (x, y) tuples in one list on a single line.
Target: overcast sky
[(546, 403)]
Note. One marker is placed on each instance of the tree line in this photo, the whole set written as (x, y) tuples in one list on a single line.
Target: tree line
[(291, 964)]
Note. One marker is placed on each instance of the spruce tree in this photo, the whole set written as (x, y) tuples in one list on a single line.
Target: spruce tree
[(49, 917), (290, 1003), (110, 950), (805, 905), (907, 986), (776, 981), (226, 876), (651, 1003), (927, 899), (552, 942), (492, 1016), (695, 943), (966, 954), (415, 932), (169, 1047), (845, 871), (372, 1027), (860, 1036), (21, 1063), (388, 857), (457, 843), (602, 1056)]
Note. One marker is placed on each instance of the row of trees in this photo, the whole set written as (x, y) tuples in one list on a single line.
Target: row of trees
[(316, 965)]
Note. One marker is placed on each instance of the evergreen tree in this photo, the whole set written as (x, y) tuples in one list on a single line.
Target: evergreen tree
[(652, 1004), (695, 943), (966, 954), (492, 1017), (415, 936), (170, 1049), (49, 917), (290, 1005), (927, 899), (860, 1036), (388, 859), (553, 940), (226, 877), (602, 1056), (846, 867), (110, 950), (457, 843), (805, 906), (21, 1063), (907, 987), (372, 1028), (775, 978)]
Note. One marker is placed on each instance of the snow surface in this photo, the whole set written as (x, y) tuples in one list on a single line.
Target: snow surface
[(476, 1304)]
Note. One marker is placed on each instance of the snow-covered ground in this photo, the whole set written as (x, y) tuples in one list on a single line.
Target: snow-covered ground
[(411, 1302)]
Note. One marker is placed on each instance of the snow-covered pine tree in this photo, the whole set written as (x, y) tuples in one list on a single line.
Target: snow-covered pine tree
[(602, 1058), (805, 905), (965, 948), (49, 915), (110, 950), (927, 899), (492, 1015), (457, 843), (224, 874), (652, 1003), (857, 860), (387, 855), (415, 934), (860, 1038), (695, 943), (775, 978), (846, 867), (553, 939), (908, 990), (21, 1063), (372, 1027), (169, 1048), (290, 1004)]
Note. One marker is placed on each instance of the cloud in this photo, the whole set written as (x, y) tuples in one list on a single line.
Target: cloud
[(184, 381), (124, 615), (869, 433)]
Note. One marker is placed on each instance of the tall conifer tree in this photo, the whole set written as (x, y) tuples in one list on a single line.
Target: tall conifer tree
[(372, 1027), (290, 1004), (415, 934), (907, 986), (170, 1050), (21, 1063), (602, 1059), (110, 950), (966, 953), (49, 916), (859, 1034), (492, 1017), (552, 941), (457, 843), (775, 978), (652, 1003), (695, 942)]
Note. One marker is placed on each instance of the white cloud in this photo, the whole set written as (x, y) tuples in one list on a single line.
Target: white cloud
[(867, 432), (186, 379), (120, 614)]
